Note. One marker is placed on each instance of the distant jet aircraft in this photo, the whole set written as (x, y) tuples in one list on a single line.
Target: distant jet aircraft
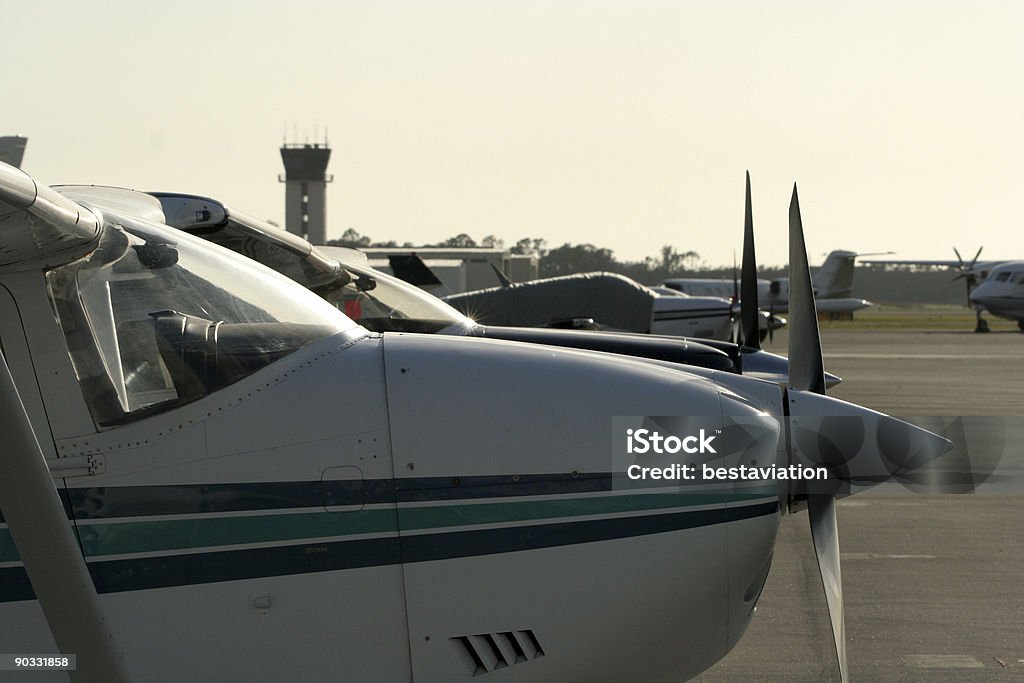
[(833, 283), (209, 472)]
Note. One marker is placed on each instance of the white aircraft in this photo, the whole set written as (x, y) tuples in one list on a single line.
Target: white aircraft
[(833, 283), (1001, 294), (210, 473)]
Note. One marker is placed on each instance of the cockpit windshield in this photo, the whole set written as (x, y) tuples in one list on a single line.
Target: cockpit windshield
[(155, 318), (382, 303)]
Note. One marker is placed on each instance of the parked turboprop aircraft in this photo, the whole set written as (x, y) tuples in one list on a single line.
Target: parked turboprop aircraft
[(998, 298), (971, 272), (833, 283), (1002, 293), (212, 474)]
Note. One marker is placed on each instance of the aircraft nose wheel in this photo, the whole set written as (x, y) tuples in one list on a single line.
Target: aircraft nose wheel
[(1020, 325), (982, 325)]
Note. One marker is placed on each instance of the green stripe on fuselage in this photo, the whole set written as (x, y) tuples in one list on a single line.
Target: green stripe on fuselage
[(212, 531)]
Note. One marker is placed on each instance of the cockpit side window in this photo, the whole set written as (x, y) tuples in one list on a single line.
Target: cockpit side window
[(1018, 278), (154, 318), (382, 303), (1002, 276)]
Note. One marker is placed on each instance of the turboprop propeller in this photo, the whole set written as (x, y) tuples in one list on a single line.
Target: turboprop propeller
[(966, 272), (855, 443)]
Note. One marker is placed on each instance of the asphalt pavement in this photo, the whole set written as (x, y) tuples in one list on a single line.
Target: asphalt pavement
[(933, 582)]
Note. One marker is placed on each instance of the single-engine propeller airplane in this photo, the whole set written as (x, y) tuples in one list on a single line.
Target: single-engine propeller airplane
[(210, 473)]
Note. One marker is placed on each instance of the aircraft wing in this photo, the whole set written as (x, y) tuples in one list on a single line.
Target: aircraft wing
[(117, 199), (979, 265), (38, 226), (897, 262)]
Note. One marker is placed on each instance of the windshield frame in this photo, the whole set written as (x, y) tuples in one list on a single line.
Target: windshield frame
[(246, 317)]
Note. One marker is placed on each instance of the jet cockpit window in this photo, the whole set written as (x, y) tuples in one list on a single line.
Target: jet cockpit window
[(1002, 277), (1018, 278), (155, 318)]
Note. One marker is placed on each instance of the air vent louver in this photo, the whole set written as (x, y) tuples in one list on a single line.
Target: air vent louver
[(487, 652)]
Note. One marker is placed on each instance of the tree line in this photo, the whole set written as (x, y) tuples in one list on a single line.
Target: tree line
[(569, 259)]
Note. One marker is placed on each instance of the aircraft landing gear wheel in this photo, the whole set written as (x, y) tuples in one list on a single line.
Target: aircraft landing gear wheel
[(982, 326), (1020, 325)]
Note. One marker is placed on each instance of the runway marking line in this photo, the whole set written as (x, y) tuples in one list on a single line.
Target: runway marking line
[(881, 556), (943, 661), (910, 356)]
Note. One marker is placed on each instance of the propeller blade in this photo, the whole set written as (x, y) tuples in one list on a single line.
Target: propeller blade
[(975, 259), (735, 280), (807, 373), (821, 509), (749, 314), (959, 257), (806, 370)]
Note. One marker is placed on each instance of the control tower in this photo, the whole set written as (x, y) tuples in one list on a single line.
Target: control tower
[(305, 181)]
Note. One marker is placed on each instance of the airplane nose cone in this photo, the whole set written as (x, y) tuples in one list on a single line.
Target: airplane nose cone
[(978, 293), (857, 445), (905, 447)]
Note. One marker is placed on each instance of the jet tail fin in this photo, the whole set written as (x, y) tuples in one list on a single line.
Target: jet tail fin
[(412, 269), (12, 149), (835, 277)]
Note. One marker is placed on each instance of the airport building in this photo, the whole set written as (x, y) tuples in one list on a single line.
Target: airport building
[(461, 269)]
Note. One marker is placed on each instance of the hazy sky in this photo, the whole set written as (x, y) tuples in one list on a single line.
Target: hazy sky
[(625, 124)]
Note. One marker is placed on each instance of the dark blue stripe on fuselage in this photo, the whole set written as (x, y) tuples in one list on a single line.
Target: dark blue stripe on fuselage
[(183, 499), (685, 315), (114, 576)]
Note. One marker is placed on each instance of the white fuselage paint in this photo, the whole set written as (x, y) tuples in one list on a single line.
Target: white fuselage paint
[(706, 317), (1002, 293)]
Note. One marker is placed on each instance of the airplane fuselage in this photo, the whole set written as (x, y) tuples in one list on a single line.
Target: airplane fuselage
[(708, 317), (389, 507), (1002, 293)]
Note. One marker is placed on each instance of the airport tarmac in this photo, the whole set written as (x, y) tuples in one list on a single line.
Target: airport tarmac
[(934, 583)]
